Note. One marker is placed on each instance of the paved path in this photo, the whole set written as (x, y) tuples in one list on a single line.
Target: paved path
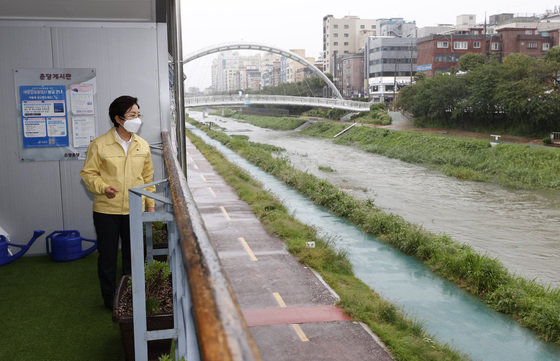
[(290, 311)]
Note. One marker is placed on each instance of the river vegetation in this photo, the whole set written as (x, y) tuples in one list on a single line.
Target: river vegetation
[(377, 115), (406, 339), (530, 303), (510, 165), (519, 96), (276, 123)]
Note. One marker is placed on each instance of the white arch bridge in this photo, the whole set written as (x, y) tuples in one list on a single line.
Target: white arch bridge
[(248, 99), (338, 102)]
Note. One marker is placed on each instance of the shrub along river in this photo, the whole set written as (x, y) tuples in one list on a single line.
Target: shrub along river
[(518, 227)]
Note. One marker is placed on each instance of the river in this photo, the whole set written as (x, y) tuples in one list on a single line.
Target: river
[(521, 228)]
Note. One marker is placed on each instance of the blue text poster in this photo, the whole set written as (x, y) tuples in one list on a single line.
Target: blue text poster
[(43, 116)]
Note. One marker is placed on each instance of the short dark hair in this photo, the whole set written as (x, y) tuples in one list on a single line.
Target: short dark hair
[(120, 105)]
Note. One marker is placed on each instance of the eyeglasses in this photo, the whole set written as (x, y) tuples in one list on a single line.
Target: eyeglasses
[(132, 115)]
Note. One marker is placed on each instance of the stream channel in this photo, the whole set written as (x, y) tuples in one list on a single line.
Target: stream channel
[(448, 313)]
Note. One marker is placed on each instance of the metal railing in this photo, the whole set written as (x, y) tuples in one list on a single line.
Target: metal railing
[(208, 323), (249, 99)]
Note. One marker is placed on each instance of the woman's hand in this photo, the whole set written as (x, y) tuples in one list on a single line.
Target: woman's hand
[(111, 192)]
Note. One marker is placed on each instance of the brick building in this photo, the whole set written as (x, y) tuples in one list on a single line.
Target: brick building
[(529, 41), (352, 76), (441, 52)]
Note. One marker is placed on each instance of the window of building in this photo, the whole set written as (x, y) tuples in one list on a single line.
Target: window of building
[(532, 45), (461, 45), (335, 26), (335, 43), (495, 46), (373, 26), (545, 46), (362, 26), (346, 52), (442, 44), (345, 35), (528, 32), (374, 88), (476, 44), (335, 35), (346, 26), (345, 43)]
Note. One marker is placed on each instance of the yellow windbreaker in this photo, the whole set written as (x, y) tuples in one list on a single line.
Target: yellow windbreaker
[(106, 165)]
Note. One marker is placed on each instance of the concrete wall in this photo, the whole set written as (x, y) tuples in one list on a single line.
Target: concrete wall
[(129, 58)]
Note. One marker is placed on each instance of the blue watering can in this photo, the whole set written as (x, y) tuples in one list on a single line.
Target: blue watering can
[(65, 246), (6, 256)]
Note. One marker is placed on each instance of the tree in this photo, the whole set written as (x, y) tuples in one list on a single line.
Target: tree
[(471, 61)]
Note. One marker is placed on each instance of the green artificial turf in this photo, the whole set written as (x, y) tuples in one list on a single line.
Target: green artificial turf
[(54, 311)]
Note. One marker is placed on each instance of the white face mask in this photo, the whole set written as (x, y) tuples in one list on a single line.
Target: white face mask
[(132, 125)]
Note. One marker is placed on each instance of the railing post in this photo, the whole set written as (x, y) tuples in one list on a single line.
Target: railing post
[(138, 281)]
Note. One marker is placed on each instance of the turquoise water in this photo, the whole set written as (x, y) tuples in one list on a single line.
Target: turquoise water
[(448, 313)]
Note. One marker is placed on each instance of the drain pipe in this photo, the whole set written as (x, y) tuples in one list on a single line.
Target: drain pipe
[(177, 53), (344, 130)]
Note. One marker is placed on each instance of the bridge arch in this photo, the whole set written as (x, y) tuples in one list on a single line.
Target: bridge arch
[(262, 47)]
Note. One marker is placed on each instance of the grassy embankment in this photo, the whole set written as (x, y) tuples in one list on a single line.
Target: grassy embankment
[(406, 339), (276, 123), (533, 305), (510, 165)]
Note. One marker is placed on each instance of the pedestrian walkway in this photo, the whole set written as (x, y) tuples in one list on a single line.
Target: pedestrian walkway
[(289, 309)]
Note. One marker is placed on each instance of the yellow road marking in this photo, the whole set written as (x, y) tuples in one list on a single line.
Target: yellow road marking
[(296, 327), (300, 333), (203, 177), (247, 248), (212, 192), (279, 299), (225, 213)]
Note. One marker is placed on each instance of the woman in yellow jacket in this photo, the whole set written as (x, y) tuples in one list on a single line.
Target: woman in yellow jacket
[(115, 162)]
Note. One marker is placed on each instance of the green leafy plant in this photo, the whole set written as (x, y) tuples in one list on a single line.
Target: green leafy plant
[(158, 287)]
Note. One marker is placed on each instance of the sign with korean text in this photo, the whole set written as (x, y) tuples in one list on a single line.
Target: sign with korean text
[(43, 116)]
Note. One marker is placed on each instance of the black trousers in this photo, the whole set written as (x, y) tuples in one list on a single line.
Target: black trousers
[(109, 228)]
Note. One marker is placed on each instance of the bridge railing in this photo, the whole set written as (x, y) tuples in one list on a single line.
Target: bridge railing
[(248, 99)]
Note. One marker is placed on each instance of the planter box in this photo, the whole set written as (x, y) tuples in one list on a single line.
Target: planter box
[(154, 322)]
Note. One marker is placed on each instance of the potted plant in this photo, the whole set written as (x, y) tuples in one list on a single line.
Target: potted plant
[(159, 238), (159, 309)]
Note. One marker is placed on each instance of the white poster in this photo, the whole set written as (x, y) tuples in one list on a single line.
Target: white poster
[(84, 130), (81, 98)]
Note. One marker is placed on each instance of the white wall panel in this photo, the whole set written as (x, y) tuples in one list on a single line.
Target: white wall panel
[(29, 191), (50, 195)]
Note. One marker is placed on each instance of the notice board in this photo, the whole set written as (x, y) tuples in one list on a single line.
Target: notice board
[(56, 112)]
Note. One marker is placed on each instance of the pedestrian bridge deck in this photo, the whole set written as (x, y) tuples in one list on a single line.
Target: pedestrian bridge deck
[(248, 99)]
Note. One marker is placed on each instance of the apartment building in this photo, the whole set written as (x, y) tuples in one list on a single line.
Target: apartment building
[(342, 36), (389, 63)]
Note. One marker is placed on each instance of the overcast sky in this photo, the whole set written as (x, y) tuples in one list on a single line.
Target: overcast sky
[(298, 24)]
